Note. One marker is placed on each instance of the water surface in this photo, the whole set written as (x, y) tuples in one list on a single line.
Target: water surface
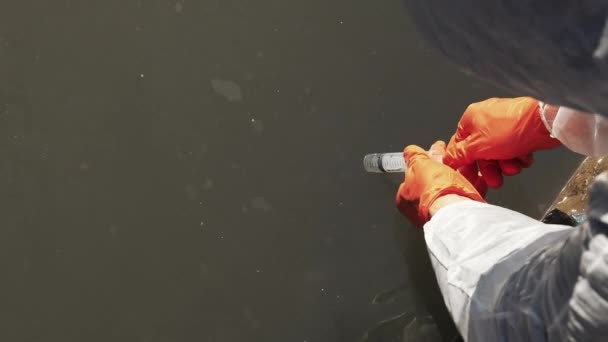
[(191, 170)]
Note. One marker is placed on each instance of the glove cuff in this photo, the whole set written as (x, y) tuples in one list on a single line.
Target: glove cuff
[(424, 210), (538, 125)]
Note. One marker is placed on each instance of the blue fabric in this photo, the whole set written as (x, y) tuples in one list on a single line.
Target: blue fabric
[(561, 293), (553, 50)]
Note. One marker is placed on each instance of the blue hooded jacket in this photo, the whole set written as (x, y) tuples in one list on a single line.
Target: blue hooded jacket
[(553, 50)]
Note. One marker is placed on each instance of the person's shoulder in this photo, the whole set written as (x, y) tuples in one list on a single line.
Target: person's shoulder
[(597, 211)]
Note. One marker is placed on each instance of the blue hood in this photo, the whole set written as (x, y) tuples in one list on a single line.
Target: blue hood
[(553, 50)]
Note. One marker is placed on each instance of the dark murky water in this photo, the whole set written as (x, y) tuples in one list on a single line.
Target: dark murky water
[(190, 171)]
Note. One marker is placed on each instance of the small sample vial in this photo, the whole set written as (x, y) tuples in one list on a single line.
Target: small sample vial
[(384, 162)]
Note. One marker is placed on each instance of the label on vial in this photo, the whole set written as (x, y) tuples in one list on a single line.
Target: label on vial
[(393, 163)]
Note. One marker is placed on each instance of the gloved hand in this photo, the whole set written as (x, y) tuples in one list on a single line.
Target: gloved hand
[(426, 180), (499, 136)]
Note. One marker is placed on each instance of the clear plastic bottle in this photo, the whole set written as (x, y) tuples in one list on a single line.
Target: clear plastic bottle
[(384, 162)]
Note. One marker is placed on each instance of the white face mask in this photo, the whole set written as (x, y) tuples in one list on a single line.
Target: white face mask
[(581, 132)]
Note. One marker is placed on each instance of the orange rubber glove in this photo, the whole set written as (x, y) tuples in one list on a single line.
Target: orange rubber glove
[(426, 180), (498, 136)]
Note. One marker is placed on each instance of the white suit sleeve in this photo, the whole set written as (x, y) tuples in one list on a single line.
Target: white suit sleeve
[(561, 293), (474, 248)]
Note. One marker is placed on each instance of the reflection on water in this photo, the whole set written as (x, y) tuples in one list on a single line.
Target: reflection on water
[(390, 329), (389, 296), (421, 329), (405, 327)]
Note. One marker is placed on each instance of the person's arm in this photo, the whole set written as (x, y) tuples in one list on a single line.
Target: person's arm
[(581, 132), (430, 185), (499, 136), (474, 248), (444, 201), (525, 280), (561, 293)]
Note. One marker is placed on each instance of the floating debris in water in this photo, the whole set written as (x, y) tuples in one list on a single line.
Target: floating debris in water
[(191, 192), (179, 7), (258, 126), (114, 230), (260, 203), (203, 268), (248, 313), (228, 89), (208, 184)]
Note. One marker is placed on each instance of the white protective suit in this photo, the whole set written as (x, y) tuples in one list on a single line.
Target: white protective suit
[(581, 132), (507, 277)]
